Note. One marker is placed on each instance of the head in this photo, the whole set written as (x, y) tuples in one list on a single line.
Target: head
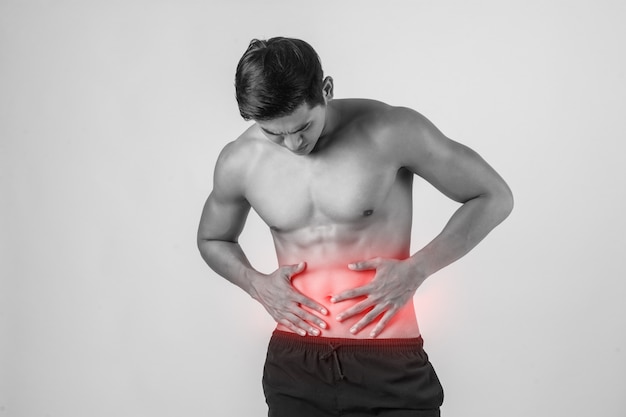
[(276, 76), (280, 84)]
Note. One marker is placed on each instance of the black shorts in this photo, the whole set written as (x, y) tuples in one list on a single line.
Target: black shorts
[(323, 377)]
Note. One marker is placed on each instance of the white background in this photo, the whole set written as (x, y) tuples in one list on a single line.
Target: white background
[(112, 114)]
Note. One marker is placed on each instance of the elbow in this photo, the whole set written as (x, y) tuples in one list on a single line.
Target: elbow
[(205, 248), (505, 202), (510, 200), (200, 243), (200, 239), (497, 203), (204, 241)]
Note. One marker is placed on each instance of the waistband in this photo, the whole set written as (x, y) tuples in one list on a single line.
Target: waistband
[(321, 344)]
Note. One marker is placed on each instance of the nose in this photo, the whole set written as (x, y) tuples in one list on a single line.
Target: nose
[(293, 142)]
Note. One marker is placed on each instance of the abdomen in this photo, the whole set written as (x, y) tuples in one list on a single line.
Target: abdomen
[(321, 285)]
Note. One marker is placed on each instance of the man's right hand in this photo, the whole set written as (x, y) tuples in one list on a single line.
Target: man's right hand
[(284, 303)]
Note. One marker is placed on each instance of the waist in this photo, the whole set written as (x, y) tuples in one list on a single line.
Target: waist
[(321, 285), (321, 343)]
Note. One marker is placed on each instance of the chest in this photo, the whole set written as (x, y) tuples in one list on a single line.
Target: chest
[(291, 192)]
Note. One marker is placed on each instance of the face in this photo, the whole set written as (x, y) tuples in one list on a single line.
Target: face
[(299, 131)]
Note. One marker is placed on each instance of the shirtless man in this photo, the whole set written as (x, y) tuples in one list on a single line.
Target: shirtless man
[(333, 181)]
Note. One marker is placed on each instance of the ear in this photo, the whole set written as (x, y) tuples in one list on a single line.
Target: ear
[(328, 89)]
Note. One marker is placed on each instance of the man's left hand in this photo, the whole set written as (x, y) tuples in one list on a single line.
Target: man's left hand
[(393, 285)]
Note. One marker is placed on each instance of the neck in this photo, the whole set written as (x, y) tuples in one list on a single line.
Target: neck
[(331, 123)]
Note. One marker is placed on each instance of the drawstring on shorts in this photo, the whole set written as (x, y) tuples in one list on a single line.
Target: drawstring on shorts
[(325, 347), (333, 352)]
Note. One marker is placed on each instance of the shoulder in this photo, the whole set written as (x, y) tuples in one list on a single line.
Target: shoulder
[(363, 113), (395, 130), (412, 141), (384, 120), (235, 162), (403, 123)]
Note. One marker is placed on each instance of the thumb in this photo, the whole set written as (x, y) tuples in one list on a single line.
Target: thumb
[(364, 265), (292, 270)]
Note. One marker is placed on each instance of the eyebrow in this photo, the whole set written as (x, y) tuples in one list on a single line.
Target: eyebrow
[(301, 128)]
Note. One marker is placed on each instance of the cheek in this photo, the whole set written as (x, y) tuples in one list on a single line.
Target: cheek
[(313, 134)]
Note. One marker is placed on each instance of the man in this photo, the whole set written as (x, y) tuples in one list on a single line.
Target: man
[(333, 181)]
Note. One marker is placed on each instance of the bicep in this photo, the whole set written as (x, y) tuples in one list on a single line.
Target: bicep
[(226, 209), (222, 218)]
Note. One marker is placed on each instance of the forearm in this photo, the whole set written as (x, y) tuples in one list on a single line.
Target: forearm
[(229, 261), (469, 225)]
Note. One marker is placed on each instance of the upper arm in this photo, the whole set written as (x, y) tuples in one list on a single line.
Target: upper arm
[(226, 209), (453, 168)]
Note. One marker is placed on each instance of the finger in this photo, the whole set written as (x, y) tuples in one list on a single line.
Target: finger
[(355, 309), (382, 323), (292, 270), (351, 293), (367, 319), (310, 318), (298, 268), (299, 326), (365, 265), (312, 304), (291, 326)]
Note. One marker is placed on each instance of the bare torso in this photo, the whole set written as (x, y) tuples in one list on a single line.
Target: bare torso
[(348, 201), (323, 283)]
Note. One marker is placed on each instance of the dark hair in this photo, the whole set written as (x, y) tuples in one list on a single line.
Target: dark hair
[(274, 77)]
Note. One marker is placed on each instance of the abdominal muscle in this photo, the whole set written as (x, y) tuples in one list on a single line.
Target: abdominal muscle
[(321, 284)]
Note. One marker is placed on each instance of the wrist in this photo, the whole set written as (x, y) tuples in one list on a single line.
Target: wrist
[(419, 267), (252, 279)]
